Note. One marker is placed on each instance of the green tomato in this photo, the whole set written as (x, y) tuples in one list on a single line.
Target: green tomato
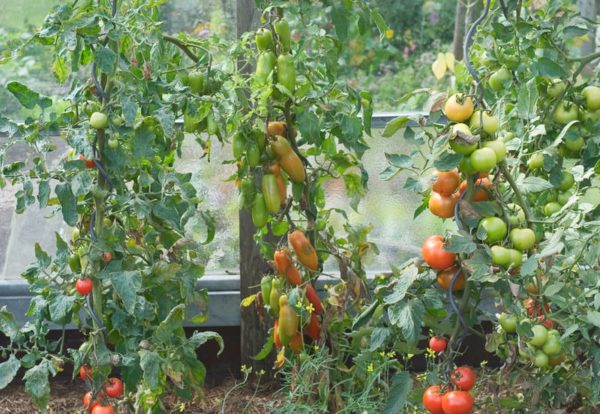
[(516, 258), (574, 142), (483, 159), (457, 143), (590, 116), (540, 359), (540, 335), (592, 97), (499, 78), (508, 322), (259, 212), (522, 239), (565, 112), (489, 122), (98, 120), (264, 40), (556, 87), (253, 154), (564, 196), (515, 215), (501, 256), (196, 81), (113, 143), (551, 208), (536, 161), (465, 166), (509, 136), (552, 345), (499, 147), (495, 229), (567, 181)]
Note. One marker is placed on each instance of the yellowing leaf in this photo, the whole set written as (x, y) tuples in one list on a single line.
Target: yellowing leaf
[(248, 301), (450, 60), (439, 67)]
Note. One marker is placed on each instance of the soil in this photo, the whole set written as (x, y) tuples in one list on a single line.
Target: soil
[(67, 397)]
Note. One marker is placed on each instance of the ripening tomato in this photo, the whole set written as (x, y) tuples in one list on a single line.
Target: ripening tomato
[(87, 162), (305, 252), (458, 108), (480, 191), (285, 266), (445, 182), (274, 295), (103, 409), (443, 205), (288, 160), (288, 319), (438, 344), (313, 298), (271, 193), (457, 402), (296, 343), (435, 255), (313, 328), (277, 128), (432, 399), (463, 378), (114, 387), (276, 339), (444, 278), (87, 403), (84, 286), (458, 139), (106, 257), (85, 372), (282, 187)]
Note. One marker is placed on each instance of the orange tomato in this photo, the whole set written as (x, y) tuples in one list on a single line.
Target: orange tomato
[(276, 128), (444, 277), (284, 265), (313, 298), (288, 160), (305, 252), (445, 182), (282, 187), (458, 108), (482, 185), (296, 343), (313, 328), (443, 205), (276, 334)]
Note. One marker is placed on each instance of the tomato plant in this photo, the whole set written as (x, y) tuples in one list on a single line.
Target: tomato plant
[(133, 258)]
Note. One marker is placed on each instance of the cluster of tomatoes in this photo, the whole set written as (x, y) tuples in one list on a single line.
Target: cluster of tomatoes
[(98, 403), (455, 399), (288, 329)]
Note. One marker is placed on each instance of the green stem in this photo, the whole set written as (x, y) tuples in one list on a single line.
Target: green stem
[(515, 188), (183, 46)]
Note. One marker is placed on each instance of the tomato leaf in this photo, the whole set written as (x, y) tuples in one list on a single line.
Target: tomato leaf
[(535, 185), (401, 386), (151, 367), (405, 280), (389, 172), (447, 161), (394, 125), (378, 337), (8, 325), (37, 385), (399, 160), (26, 97), (460, 244), (408, 316), (365, 316), (529, 266), (68, 203), (8, 371), (200, 338)]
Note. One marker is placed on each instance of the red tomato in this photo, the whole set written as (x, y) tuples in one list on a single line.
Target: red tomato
[(445, 182), (432, 400), (438, 344), (107, 257), (84, 286), (276, 334), (313, 298), (435, 255), (88, 163), (313, 328), (103, 409), (85, 372), (114, 387), (443, 205), (87, 403), (457, 402), (463, 378)]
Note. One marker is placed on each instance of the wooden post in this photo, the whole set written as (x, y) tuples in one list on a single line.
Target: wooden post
[(253, 330), (459, 29)]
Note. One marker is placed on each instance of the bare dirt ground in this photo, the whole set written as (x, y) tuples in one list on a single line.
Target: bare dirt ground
[(67, 396)]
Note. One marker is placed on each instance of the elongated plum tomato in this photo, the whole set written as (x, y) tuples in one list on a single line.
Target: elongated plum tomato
[(305, 252), (84, 286), (276, 339), (285, 266), (443, 205), (313, 328), (313, 298), (435, 255), (463, 378), (432, 399), (444, 278), (458, 108), (438, 344), (114, 387), (457, 402), (445, 182)]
